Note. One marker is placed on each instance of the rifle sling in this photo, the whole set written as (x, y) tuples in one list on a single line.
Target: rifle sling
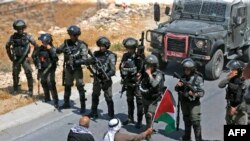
[(24, 55)]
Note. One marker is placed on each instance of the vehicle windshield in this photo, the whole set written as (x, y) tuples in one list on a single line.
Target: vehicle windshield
[(212, 10)]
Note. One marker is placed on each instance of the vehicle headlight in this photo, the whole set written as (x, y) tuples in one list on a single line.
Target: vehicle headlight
[(157, 38), (201, 43)]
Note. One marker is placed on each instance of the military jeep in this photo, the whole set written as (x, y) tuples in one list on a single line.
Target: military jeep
[(208, 31)]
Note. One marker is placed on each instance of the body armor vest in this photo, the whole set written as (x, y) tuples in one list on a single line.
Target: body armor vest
[(152, 92), (103, 58), (20, 43), (44, 57), (235, 90)]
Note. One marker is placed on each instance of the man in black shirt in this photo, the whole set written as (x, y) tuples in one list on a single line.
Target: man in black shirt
[(81, 132)]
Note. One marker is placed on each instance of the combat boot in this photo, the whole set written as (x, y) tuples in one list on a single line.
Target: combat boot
[(15, 91), (93, 114), (138, 125), (46, 92), (65, 105), (128, 121), (83, 108), (30, 93), (67, 92), (82, 98), (187, 135), (185, 138), (197, 130), (130, 115), (56, 104), (110, 109)]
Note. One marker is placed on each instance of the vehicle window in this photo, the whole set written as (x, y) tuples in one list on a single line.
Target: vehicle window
[(241, 12), (213, 9)]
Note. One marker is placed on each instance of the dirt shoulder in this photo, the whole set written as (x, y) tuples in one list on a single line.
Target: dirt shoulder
[(113, 23)]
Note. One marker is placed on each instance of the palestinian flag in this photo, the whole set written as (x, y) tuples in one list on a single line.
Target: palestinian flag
[(165, 111)]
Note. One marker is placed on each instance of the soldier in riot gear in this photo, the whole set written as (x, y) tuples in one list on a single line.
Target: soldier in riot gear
[(20, 53), (151, 87), (130, 72), (108, 61), (73, 50), (45, 59), (190, 99), (236, 108)]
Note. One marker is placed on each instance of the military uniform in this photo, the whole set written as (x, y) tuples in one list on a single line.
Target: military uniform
[(46, 62), (129, 68), (151, 87), (16, 47), (151, 94), (108, 61), (235, 91), (190, 105), (78, 50)]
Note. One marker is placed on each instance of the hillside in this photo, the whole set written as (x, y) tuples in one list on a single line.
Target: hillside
[(111, 21)]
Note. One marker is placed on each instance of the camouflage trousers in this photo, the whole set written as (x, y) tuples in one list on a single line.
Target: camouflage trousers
[(48, 84), (192, 116), (133, 92), (70, 76), (28, 72), (149, 110), (106, 86)]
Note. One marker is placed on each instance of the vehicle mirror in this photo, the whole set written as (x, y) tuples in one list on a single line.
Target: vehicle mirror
[(167, 10), (239, 20), (148, 36), (156, 12)]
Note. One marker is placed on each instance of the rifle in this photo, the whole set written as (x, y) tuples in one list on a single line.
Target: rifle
[(140, 52), (63, 74), (69, 53), (176, 75), (99, 70), (125, 84)]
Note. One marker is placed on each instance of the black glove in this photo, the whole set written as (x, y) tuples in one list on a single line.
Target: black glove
[(67, 50), (91, 61), (78, 62)]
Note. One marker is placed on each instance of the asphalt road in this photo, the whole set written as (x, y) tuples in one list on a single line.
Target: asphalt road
[(55, 126)]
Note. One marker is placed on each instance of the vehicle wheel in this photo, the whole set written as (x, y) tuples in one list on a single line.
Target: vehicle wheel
[(214, 67), (246, 54)]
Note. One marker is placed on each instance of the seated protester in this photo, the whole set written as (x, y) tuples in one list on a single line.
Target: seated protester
[(114, 133), (235, 90), (81, 131)]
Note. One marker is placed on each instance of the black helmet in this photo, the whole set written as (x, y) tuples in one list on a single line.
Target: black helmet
[(188, 63), (103, 41), (152, 60), (235, 64), (130, 43), (19, 24), (47, 38), (74, 30)]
